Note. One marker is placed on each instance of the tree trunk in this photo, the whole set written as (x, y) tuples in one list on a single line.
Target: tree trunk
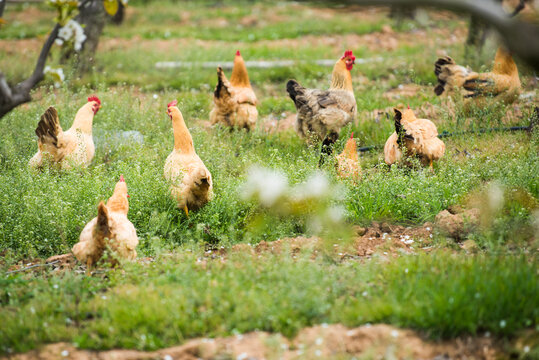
[(2, 7), (402, 12), (92, 17)]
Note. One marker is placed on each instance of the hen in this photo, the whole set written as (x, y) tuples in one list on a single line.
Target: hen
[(348, 165), (110, 228), (190, 181), (502, 82), (418, 136), (234, 101), (66, 149), (321, 113)]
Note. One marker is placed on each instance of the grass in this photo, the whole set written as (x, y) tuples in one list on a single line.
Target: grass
[(444, 294)]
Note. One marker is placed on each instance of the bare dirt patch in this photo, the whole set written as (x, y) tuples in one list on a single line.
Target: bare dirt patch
[(322, 341)]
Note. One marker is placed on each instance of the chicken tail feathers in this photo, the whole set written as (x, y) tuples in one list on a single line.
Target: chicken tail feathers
[(102, 229), (400, 130), (202, 179), (327, 147), (294, 90), (439, 66), (221, 90), (48, 127)]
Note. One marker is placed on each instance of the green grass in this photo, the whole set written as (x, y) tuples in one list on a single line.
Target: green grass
[(173, 298), (442, 295)]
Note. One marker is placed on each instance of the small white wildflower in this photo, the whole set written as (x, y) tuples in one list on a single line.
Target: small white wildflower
[(167, 357), (125, 2), (324, 325), (487, 334), (55, 286), (64, 353), (32, 310), (394, 333), (104, 297), (526, 349), (430, 235), (318, 353), (502, 324), (427, 228), (408, 242), (406, 270), (239, 337), (143, 337), (364, 293), (155, 96), (319, 341)]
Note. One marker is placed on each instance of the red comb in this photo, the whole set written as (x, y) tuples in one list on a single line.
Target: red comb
[(94, 98), (349, 54), (122, 178), (352, 136), (173, 103), (238, 53), (408, 106)]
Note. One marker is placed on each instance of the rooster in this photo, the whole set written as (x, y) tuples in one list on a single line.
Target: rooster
[(110, 228), (418, 136), (190, 181), (348, 165), (234, 101), (502, 82), (65, 149), (322, 114)]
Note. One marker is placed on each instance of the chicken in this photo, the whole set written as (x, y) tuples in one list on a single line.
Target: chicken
[(190, 181), (66, 149), (348, 165), (502, 82), (418, 136), (234, 101), (321, 114), (110, 229)]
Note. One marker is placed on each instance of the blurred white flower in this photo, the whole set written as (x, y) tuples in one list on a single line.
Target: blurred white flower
[(266, 184), (124, 2), (316, 187), (57, 75), (502, 324), (495, 196), (72, 31), (336, 213)]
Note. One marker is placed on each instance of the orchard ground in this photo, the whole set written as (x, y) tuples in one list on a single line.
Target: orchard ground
[(233, 267)]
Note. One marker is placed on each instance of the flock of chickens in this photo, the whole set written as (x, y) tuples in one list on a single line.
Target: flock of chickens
[(321, 114)]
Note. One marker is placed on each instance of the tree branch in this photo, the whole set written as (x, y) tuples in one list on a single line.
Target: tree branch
[(38, 74), (11, 98), (522, 38)]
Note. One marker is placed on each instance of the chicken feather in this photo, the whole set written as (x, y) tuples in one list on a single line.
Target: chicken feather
[(111, 228), (190, 181), (502, 83), (418, 136), (234, 101), (66, 149)]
